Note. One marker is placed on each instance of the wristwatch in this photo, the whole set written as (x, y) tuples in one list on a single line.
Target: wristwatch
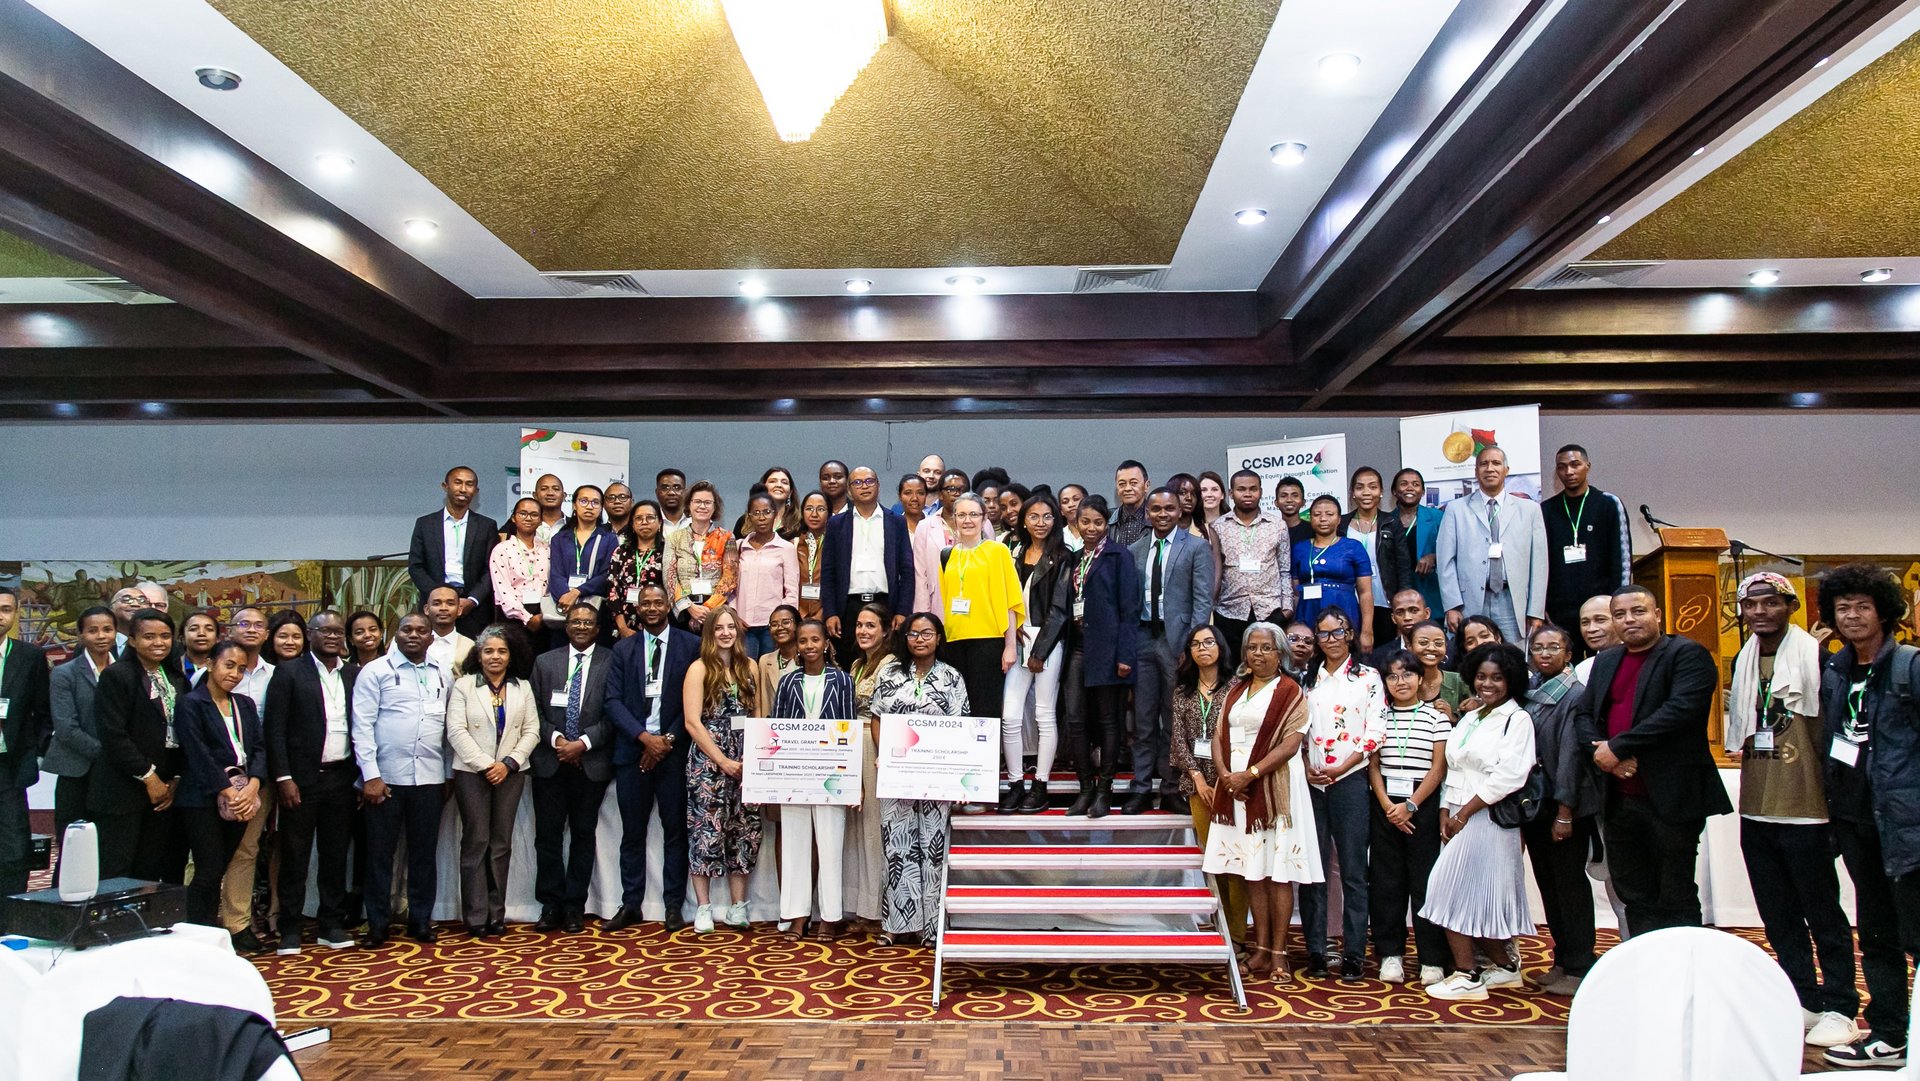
[(669, 738), (1412, 807)]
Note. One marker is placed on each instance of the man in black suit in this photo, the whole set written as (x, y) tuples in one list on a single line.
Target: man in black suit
[(1645, 714), (863, 562), (644, 683), (571, 766), (26, 724), (131, 786), (309, 734), (450, 548)]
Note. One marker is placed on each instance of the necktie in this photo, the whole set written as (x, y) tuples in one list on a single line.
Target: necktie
[(573, 699), (1496, 568), (653, 660), (1159, 556)]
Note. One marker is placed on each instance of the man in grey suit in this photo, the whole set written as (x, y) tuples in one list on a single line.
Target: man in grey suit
[(1176, 572), (572, 764), (1493, 554)]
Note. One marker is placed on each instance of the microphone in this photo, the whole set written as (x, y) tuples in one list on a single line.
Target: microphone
[(1653, 522)]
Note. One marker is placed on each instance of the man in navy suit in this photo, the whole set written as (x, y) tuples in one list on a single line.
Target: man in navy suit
[(864, 558), (571, 766), (450, 547), (1176, 572), (644, 703)]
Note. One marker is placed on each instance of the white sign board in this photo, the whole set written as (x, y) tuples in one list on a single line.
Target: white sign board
[(575, 457), (802, 762), (939, 758), (1319, 462), (1442, 446)]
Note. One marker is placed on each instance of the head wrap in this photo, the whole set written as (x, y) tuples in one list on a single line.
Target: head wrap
[(1766, 578)]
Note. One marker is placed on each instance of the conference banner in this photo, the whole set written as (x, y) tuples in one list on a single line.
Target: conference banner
[(575, 457), (1442, 446), (956, 759), (1319, 462), (801, 761)]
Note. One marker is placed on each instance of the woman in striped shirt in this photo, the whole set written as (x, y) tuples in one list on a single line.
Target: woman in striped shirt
[(1404, 841)]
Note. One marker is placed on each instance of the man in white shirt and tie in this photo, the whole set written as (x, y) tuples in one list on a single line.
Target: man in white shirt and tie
[(571, 766), (400, 740), (1493, 553)]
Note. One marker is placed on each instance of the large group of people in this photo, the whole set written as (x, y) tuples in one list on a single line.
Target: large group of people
[(1418, 697)]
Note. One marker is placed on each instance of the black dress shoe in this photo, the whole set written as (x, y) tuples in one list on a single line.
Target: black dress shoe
[(1175, 803), (1316, 966), (621, 920), (574, 922), (376, 936), (549, 919), (496, 928), (1137, 803), (1081, 803), (1036, 800), (476, 930), (1353, 970), (1010, 802), (1099, 808), (422, 932), (674, 922)]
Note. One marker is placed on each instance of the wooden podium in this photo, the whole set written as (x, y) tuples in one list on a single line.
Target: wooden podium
[(1684, 572)]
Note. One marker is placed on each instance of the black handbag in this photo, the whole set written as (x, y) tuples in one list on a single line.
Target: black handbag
[(1523, 804)]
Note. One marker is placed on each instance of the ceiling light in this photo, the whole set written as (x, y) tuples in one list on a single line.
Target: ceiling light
[(859, 285), (421, 228), (753, 287), (1339, 67), (153, 409), (803, 54), (1288, 153), (1605, 218), (1697, 151), (1876, 275), (966, 281), (1250, 216), (333, 164), (1763, 277), (217, 78), (65, 409), (1823, 62)]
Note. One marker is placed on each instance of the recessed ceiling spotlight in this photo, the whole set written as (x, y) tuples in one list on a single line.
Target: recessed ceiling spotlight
[(1823, 62), (859, 285), (153, 409), (1764, 277), (217, 78), (1697, 151), (753, 287), (1288, 153), (421, 228), (1604, 219), (966, 281), (1250, 216), (1876, 275), (65, 409), (1339, 67), (331, 164)]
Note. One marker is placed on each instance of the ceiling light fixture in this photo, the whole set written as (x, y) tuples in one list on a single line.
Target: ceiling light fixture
[(1605, 218), (1250, 216), (966, 281), (859, 285), (421, 228), (1763, 277), (1876, 275), (1339, 67), (1697, 151), (65, 409), (753, 288), (804, 54), (217, 78), (153, 409), (331, 164), (1288, 153), (1823, 62)]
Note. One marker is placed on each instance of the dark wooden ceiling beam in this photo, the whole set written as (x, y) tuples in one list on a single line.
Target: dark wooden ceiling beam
[(858, 384), (1600, 313), (171, 391), (88, 368), (789, 358), (102, 326)]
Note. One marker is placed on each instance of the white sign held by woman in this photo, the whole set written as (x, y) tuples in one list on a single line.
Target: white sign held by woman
[(939, 758), (801, 761)]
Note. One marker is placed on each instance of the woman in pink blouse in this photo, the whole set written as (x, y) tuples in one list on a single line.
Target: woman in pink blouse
[(769, 572), (518, 568)]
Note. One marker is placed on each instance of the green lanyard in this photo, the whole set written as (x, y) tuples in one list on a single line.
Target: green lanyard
[(1856, 701), (1475, 727), (1406, 732), (810, 703), (6, 651), (582, 553), (813, 558), (960, 568), (1206, 713), (1085, 568), (1766, 705), (920, 686), (1319, 557), (231, 715), (1575, 518)]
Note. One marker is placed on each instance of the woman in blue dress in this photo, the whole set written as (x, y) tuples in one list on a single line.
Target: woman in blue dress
[(1332, 571)]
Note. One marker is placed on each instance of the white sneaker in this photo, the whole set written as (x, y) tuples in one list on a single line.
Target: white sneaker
[(1393, 970), (1832, 1030), (703, 919), (1808, 1019), (1461, 986), (737, 916), (1495, 976), (1431, 974)]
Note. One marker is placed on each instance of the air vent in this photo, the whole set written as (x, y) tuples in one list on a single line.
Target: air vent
[(118, 290), (1128, 279), (1599, 272), (597, 284)]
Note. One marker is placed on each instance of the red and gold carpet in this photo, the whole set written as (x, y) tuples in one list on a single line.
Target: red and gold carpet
[(642, 975)]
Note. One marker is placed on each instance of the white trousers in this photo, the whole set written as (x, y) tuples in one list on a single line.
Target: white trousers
[(1045, 686), (801, 828)]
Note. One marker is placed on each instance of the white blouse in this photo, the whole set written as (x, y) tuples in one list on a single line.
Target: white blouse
[(1345, 716), (1489, 756)]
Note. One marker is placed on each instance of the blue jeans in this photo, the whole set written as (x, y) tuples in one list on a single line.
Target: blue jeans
[(758, 640), (1340, 816)]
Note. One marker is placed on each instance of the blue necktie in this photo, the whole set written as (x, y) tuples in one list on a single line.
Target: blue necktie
[(573, 700)]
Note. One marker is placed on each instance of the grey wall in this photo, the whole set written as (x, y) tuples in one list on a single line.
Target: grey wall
[(1792, 482)]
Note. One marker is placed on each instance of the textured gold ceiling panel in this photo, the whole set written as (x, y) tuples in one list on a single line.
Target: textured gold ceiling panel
[(1833, 182), (630, 135), (24, 259)]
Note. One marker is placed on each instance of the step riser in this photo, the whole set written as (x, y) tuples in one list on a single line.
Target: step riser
[(1078, 824), (1089, 863), (1030, 908), (1099, 957)]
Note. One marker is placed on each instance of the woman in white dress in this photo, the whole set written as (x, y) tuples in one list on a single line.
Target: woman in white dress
[(1478, 889), (1262, 816)]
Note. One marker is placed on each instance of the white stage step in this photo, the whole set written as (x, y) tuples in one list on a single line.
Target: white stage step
[(1057, 819), (1020, 899), (1093, 947), (1078, 857)]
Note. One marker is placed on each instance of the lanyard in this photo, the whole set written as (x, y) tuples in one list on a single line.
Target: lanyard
[(1085, 568), (6, 651), (1575, 518), (1319, 558), (1475, 727), (231, 715), (1206, 712), (960, 566), (813, 558), (810, 703), (642, 564), (920, 685), (1856, 701), (653, 657), (1406, 732), (582, 556), (1766, 705)]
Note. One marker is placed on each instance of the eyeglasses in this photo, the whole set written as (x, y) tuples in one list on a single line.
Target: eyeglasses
[(925, 632), (967, 515), (1333, 635), (867, 482), (619, 499), (328, 632), (1299, 638), (1548, 647), (578, 502), (251, 624)]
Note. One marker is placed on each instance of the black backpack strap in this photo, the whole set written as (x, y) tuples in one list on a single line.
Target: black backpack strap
[(945, 554), (1903, 662)]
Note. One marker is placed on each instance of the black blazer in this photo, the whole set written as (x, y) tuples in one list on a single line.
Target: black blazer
[(1049, 600), (133, 736), (427, 557), (549, 677), (1672, 701), (1393, 558), (626, 692), (836, 561), (29, 723), (202, 735), (296, 722)]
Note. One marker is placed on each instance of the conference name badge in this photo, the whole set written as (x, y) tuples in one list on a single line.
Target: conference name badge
[(532, 596), (1249, 565), (1079, 608), (1574, 553), (1844, 752), (575, 581), (633, 594), (1494, 550), (653, 687), (557, 700), (6, 705), (1202, 748), (702, 587), (1399, 787), (1310, 592), (810, 593), (1763, 742), (960, 606)]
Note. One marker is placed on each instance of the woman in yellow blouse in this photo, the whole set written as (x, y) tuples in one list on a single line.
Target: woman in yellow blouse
[(983, 605)]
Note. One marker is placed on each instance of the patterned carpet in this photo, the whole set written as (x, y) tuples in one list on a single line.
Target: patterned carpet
[(762, 976)]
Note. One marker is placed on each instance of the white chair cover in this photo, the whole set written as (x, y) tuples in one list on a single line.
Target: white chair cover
[(17, 982)]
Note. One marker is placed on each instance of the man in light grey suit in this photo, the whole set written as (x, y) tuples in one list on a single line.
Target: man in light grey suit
[(571, 766), (1176, 573), (1493, 554)]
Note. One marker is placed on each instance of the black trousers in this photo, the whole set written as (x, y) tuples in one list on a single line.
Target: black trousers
[(1398, 866), (1652, 860), (324, 817), (1798, 894), (412, 810), (566, 804), (978, 660), (212, 840), (1887, 913), (1094, 722), (16, 841), (144, 844), (357, 865), (845, 651), (1560, 870), (640, 792)]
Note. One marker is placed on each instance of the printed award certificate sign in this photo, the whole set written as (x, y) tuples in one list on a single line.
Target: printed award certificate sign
[(939, 758), (801, 761)]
